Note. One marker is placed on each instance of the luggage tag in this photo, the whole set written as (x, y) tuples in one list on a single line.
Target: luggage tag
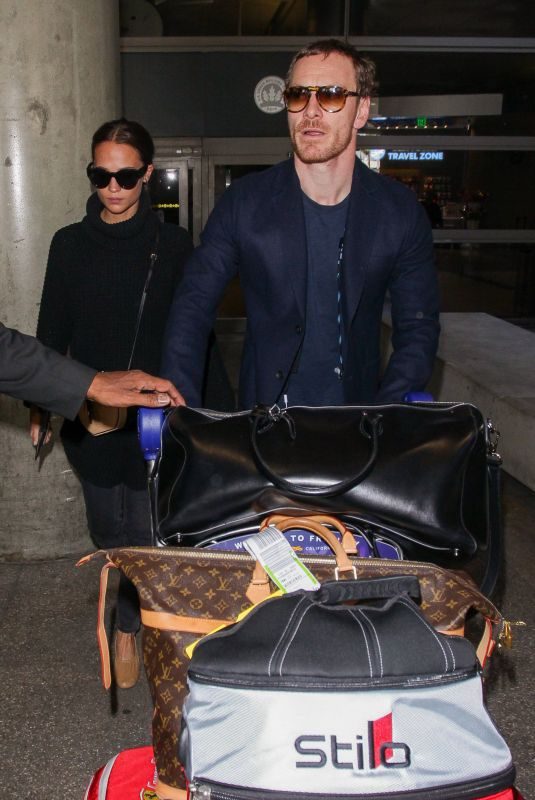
[(281, 562)]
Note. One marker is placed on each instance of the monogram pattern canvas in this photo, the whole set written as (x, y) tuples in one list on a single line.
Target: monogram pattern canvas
[(194, 583)]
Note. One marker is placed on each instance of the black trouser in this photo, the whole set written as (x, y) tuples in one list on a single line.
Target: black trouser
[(117, 517)]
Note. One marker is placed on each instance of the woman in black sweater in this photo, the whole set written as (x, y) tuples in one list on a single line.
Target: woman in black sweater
[(94, 280)]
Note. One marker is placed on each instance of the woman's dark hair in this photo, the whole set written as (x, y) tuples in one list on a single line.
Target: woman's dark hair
[(124, 131)]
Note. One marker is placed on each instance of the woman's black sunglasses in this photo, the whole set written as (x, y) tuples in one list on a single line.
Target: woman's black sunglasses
[(126, 178)]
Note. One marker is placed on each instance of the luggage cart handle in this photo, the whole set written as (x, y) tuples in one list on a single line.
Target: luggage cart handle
[(418, 397), (149, 428)]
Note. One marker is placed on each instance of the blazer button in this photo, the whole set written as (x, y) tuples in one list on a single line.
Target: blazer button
[(279, 374), (299, 329)]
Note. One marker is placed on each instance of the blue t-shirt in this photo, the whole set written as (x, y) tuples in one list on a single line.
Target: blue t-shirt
[(316, 381)]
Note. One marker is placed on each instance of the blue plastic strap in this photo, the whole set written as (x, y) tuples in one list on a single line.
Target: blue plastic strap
[(418, 397), (149, 428)]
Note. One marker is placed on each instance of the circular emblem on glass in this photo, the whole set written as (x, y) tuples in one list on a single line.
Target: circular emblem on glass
[(268, 94)]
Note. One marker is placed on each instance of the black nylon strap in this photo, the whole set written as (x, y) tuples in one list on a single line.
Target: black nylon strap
[(153, 259), (495, 527), (334, 592)]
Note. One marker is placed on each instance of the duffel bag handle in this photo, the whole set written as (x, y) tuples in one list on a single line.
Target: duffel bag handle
[(264, 418), (343, 564), (334, 592), (348, 540)]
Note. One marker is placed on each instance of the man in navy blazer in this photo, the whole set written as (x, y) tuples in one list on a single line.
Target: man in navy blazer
[(318, 241)]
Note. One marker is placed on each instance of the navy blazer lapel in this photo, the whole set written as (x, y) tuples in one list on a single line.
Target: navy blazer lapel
[(359, 238), (288, 223)]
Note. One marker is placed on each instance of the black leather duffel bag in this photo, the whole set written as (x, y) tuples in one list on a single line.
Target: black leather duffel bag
[(417, 471)]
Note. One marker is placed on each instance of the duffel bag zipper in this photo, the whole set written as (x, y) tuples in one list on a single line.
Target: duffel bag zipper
[(200, 554), (373, 564), (201, 789)]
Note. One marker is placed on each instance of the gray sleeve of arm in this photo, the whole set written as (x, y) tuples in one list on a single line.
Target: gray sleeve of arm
[(30, 371)]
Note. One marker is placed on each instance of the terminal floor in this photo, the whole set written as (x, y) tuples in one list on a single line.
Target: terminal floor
[(58, 724)]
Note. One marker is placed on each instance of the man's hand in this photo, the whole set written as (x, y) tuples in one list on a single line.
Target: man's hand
[(133, 388)]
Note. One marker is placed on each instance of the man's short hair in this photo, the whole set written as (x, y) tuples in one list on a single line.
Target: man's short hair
[(364, 66)]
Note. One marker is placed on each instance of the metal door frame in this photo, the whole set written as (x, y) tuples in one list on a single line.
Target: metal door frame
[(202, 156), (219, 152), (184, 155)]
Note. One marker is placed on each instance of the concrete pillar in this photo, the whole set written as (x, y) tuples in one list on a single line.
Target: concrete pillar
[(59, 80)]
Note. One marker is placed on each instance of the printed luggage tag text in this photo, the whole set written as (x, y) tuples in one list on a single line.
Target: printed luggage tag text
[(280, 561)]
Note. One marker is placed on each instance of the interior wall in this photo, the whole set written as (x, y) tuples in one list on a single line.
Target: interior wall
[(201, 94)]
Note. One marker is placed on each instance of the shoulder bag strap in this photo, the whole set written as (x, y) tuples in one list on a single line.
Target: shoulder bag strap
[(153, 259)]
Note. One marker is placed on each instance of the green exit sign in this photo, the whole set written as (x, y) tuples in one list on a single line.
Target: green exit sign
[(421, 122)]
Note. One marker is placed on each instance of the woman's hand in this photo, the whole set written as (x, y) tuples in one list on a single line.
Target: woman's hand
[(35, 426)]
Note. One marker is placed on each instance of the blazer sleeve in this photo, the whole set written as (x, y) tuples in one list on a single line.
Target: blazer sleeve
[(194, 307), (415, 305), (30, 371)]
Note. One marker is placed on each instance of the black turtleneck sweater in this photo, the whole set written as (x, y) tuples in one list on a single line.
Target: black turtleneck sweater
[(93, 284)]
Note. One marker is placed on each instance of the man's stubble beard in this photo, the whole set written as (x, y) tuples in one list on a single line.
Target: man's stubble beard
[(313, 153)]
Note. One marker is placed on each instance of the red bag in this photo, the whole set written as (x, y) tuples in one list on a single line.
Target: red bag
[(509, 794), (130, 775)]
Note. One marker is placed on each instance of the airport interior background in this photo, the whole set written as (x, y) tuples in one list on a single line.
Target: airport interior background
[(454, 118)]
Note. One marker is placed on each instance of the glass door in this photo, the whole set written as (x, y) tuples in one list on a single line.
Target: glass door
[(175, 186)]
